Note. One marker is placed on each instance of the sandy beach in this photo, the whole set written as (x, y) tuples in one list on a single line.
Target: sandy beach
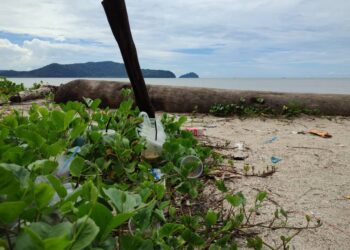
[(311, 178)]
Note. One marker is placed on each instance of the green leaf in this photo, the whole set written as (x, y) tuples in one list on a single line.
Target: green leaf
[(43, 167), (11, 210), (90, 192), (3, 244), (85, 233), (114, 223), (77, 166), (123, 201), (236, 200), (261, 196), (55, 148), (100, 214), (160, 215), (31, 137), (12, 178), (255, 243), (4, 132), (220, 184), (68, 118), (43, 194), (211, 218), (181, 121), (169, 229), (192, 238), (78, 130), (172, 212), (56, 243), (94, 105), (40, 235), (33, 240), (142, 219), (9, 184), (58, 119), (128, 242), (62, 229), (159, 190), (57, 185)]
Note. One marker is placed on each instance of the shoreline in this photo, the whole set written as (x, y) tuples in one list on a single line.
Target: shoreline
[(296, 85)]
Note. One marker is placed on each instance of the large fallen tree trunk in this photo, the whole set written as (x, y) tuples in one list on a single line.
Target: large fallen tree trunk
[(188, 99), (28, 95)]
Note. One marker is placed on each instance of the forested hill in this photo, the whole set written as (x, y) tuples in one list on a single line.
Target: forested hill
[(90, 69)]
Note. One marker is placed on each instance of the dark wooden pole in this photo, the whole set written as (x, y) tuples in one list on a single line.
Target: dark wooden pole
[(117, 16)]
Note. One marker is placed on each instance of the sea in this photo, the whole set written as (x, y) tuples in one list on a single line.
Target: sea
[(296, 85)]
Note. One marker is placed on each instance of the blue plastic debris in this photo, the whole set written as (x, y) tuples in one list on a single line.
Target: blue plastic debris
[(157, 174), (271, 140), (64, 169), (275, 159)]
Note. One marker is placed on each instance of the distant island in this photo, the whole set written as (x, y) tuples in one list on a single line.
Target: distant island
[(90, 69), (190, 75)]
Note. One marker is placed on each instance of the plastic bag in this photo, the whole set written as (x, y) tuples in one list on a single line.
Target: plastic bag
[(153, 131)]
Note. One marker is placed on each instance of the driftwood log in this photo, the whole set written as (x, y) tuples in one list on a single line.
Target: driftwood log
[(28, 95), (117, 16), (188, 99)]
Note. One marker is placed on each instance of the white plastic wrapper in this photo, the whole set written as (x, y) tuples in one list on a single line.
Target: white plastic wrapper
[(153, 131)]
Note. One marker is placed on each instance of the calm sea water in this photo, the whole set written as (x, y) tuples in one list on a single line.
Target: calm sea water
[(301, 85)]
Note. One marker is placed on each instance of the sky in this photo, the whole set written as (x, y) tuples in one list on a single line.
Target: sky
[(220, 38)]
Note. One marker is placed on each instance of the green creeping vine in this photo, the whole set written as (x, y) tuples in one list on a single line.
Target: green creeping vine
[(110, 199), (8, 88), (258, 107)]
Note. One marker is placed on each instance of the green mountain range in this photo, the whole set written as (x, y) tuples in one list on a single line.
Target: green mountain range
[(90, 69)]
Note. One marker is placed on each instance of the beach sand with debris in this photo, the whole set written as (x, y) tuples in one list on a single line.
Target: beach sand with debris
[(311, 178)]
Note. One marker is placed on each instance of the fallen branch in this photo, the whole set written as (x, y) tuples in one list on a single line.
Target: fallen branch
[(29, 95)]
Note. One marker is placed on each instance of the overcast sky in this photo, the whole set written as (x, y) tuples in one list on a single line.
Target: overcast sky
[(220, 38)]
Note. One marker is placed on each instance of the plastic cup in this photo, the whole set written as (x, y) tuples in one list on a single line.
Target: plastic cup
[(193, 161)]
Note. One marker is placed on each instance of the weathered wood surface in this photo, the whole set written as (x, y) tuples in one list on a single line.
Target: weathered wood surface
[(117, 16), (28, 95), (187, 99)]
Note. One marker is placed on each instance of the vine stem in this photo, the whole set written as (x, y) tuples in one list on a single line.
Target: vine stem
[(268, 245), (8, 240)]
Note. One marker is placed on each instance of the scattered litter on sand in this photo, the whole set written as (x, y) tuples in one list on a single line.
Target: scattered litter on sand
[(271, 140), (323, 134), (240, 151), (311, 174), (275, 159), (196, 131)]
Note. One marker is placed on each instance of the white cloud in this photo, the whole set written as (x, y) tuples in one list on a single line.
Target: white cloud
[(244, 34), (12, 55), (36, 53)]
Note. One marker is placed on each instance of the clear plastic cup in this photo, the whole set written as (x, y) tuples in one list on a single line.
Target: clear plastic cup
[(195, 163)]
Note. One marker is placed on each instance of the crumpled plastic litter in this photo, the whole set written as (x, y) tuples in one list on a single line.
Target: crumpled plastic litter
[(271, 140), (275, 159)]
